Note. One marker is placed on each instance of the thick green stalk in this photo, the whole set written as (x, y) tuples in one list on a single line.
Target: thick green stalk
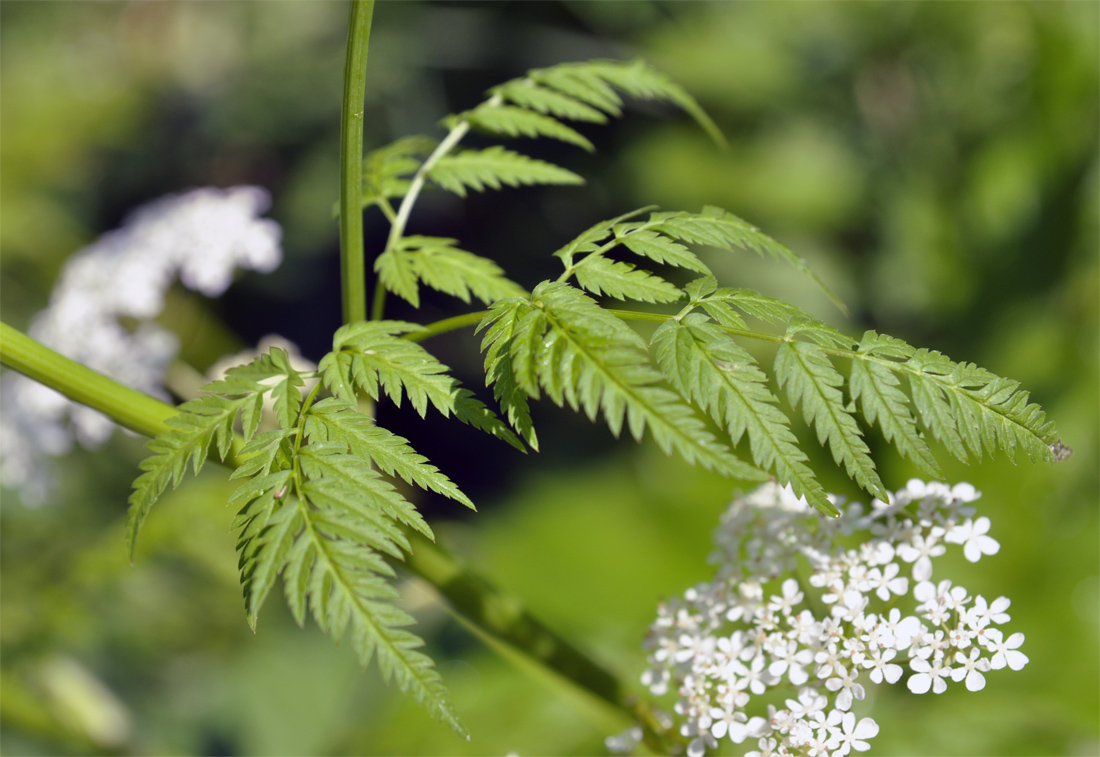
[(127, 407), (491, 610), (353, 276)]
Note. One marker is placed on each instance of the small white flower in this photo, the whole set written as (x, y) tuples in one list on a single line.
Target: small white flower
[(971, 668), (624, 743), (728, 721), (767, 747), (928, 676), (845, 687), (981, 614), (880, 666), (852, 735), (972, 535), (201, 236), (886, 581), (1004, 652), (920, 550), (773, 642)]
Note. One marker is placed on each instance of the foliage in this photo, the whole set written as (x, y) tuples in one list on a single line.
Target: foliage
[(938, 211), (314, 510)]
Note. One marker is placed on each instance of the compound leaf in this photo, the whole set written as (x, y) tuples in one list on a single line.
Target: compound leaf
[(811, 379), (706, 366), (493, 167)]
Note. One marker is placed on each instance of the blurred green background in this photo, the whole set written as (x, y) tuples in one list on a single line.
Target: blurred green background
[(936, 163)]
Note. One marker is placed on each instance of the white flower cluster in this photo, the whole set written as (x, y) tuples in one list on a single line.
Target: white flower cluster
[(101, 312), (747, 631)]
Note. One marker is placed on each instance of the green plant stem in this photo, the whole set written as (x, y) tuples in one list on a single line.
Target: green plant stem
[(352, 260), (475, 598), (447, 324), (127, 407), (504, 617)]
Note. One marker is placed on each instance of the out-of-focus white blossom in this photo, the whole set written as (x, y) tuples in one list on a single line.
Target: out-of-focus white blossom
[(750, 629), (101, 310)]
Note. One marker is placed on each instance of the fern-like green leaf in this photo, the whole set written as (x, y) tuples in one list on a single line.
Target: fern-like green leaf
[(720, 228), (284, 390), (586, 241), (721, 301), (379, 359), (326, 532), (263, 453), (595, 362), (445, 268), (397, 271), (650, 244), (811, 379), (879, 392), (706, 366), (593, 83), (346, 583), (965, 405), (370, 356), (494, 166), (511, 121), (337, 420), (386, 169), (623, 281), (500, 370), (527, 93), (201, 424), (473, 412)]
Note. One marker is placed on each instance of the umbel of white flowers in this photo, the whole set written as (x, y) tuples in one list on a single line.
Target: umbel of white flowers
[(725, 642), (202, 237)]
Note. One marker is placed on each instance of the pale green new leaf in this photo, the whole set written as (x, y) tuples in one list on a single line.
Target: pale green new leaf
[(623, 281), (660, 248), (445, 268), (512, 121), (494, 166), (706, 366), (526, 92), (879, 392), (398, 274), (589, 82), (595, 362), (811, 379), (387, 171)]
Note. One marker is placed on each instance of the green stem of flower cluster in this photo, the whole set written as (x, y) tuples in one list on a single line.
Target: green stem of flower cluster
[(352, 262)]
